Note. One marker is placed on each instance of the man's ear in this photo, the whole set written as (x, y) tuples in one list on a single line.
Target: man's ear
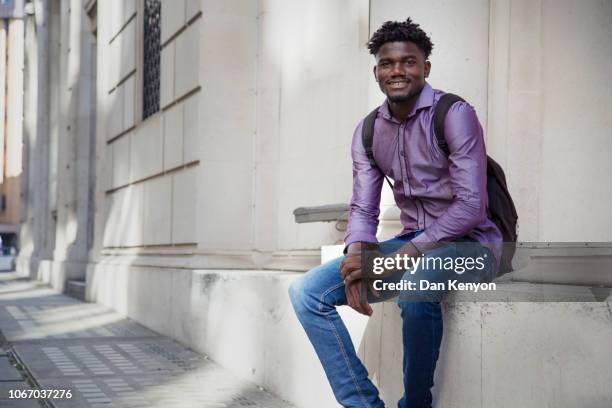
[(427, 68), (375, 76)]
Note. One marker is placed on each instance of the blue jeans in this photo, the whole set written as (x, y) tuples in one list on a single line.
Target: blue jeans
[(315, 296)]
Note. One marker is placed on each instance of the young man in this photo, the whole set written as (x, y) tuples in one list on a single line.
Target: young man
[(443, 203)]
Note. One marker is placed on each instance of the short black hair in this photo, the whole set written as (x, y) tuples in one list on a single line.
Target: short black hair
[(392, 31)]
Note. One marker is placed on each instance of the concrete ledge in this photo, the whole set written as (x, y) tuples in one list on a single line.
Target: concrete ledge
[(181, 258), (564, 263), (494, 354)]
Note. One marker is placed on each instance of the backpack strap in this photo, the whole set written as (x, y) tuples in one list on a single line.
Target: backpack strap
[(442, 108), (367, 139), (367, 135)]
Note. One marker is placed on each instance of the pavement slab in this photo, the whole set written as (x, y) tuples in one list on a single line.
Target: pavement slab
[(20, 403), (7, 402), (65, 321), (6, 386), (209, 387), (8, 372), (108, 358), (105, 359), (22, 291)]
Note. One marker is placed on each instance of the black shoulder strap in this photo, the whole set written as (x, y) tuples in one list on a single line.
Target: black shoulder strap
[(367, 135), (442, 108), (367, 139)]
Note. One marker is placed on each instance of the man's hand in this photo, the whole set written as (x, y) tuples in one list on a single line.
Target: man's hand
[(356, 289), (351, 266), (352, 260), (356, 297)]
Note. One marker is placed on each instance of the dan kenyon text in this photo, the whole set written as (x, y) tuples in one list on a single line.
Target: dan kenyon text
[(424, 284)]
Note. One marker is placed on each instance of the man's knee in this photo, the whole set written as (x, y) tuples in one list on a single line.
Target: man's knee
[(303, 295), (295, 293)]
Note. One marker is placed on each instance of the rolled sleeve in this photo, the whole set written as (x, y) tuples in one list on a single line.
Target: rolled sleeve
[(365, 202), (468, 179)]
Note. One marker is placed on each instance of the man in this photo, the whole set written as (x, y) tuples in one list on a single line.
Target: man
[(443, 203)]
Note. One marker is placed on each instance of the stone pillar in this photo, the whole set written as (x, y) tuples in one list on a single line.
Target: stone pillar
[(43, 103), (3, 67), (36, 124), (14, 121), (59, 130), (15, 98)]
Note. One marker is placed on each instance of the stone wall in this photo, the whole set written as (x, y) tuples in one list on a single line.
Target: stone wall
[(152, 163)]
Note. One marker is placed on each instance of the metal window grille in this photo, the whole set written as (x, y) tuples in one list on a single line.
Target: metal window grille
[(152, 48)]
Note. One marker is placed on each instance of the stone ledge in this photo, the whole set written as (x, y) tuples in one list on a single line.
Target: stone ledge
[(491, 350)]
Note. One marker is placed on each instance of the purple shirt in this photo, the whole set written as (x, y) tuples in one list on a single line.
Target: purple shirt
[(446, 197)]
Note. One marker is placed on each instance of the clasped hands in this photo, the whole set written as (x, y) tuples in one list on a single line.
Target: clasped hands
[(356, 284)]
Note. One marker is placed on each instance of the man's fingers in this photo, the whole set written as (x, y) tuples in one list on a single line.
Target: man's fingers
[(353, 301), (365, 308), (353, 295), (353, 275), (356, 295), (347, 266), (363, 298), (350, 295)]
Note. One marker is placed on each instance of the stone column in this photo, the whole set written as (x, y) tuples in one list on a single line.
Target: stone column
[(74, 133), (3, 67)]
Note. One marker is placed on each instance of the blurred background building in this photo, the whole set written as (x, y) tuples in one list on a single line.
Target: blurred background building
[(153, 153), (11, 123)]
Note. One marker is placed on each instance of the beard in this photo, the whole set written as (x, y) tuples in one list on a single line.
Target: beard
[(400, 98), (409, 97)]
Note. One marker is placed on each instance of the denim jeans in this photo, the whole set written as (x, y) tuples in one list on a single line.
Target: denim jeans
[(315, 296)]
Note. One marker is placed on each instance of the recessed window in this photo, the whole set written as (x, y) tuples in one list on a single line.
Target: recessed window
[(152, 47)]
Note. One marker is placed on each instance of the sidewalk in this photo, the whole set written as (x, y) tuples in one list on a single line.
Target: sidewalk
[(54, 342)]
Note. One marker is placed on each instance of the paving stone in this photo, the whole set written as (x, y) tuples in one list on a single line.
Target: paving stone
[(210, 388), (81, 320), (106, 360), (20, 403), (36, 297), (7, 371), (6, 386), (23, 291), (72, 358)]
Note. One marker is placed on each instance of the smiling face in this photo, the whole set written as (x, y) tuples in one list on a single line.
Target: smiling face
[(401, 70)]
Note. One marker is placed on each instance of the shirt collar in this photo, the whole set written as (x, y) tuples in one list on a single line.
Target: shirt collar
[(424, 100)]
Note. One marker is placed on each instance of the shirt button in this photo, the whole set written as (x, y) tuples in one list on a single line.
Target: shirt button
[(402, 153)]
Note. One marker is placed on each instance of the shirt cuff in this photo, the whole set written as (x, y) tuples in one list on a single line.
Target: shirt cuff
[(424, 243), (358, 237)]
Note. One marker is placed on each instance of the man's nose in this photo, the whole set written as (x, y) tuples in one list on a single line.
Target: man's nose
[(397, 69)]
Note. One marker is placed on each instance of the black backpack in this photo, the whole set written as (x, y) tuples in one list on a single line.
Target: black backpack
[(501, 208)]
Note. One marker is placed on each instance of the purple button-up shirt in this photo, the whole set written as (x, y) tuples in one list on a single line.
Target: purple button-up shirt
[(446, 197)]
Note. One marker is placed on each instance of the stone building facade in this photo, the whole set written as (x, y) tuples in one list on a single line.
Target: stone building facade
[(11, 123), (167, 143)]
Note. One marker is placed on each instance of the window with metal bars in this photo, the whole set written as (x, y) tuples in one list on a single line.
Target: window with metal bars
[(151, 63)]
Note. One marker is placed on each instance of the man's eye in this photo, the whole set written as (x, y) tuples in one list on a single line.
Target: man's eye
[(410, 62), (384, 64)]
